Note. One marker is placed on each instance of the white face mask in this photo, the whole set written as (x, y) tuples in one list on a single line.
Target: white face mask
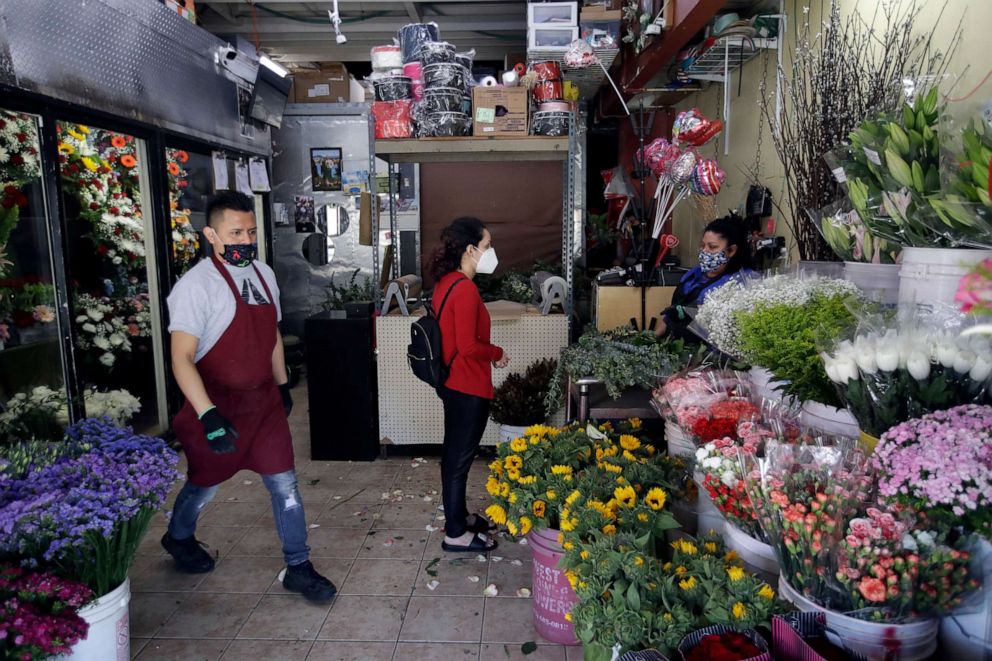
[(487, 263)]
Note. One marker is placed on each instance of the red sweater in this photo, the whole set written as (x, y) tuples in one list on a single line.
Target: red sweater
[(465, 334)]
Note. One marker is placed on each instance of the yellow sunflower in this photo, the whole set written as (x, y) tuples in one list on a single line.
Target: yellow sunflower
[(656, 498), (629, 442), (626, 496)]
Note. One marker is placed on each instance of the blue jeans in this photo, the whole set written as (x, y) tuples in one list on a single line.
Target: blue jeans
[(287, 508)]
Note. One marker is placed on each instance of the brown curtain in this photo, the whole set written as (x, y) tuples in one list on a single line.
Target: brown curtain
[(520, 203)]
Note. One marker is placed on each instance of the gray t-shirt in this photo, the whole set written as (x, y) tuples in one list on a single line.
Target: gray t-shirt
[(203, 305)]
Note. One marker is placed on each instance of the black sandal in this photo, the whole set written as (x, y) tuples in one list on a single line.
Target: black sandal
[(480, 525), (477, 545)]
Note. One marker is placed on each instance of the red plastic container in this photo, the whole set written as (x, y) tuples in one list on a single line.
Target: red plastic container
[(548, 90)]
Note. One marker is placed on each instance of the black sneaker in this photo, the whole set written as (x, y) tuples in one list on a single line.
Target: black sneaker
[(303, 578), (189, 554)]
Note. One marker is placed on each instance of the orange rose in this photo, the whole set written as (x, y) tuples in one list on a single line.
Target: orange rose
[(182, 156)]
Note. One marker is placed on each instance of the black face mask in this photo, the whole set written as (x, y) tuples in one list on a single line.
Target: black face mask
[(240, 254)]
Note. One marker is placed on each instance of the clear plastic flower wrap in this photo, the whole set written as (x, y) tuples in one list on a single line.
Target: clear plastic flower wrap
[(849, 237), (803, 495), (899, 366), (685, 395)]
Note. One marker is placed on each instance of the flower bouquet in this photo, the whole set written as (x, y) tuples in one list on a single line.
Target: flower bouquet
[(43, 413), (849, 237), (19, 164), (904, 369), (940, 465), (38, 616), (84, 513), (719, 467), (975, 294), (107, 326), (684, 395)]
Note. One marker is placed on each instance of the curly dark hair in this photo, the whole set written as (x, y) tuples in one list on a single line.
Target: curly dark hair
[(732, 230), (455, 238)]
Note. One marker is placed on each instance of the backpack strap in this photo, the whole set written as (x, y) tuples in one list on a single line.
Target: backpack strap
[(441, 309)]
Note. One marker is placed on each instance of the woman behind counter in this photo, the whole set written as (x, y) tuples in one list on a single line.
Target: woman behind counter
[(724, 255)]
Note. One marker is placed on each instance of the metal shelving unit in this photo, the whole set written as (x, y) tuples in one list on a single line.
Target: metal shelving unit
[(448, 150)]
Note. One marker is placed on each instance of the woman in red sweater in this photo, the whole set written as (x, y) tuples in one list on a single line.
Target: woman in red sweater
[(465, 343)]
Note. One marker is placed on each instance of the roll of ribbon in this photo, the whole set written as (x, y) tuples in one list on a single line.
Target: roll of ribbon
[(520, 69), (488, 81), (510, 78)]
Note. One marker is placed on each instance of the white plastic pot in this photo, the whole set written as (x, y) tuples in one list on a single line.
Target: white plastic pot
[(827, 419), (508, 433), (758, 557), (879, 282), (876, 640), (108, 638), (967, 633), (679, 444), (708, 516), (932, 275)]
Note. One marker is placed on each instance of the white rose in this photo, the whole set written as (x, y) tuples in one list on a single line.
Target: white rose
[(81, 319), (864, 356), (947, 351), (847, 369), (830, 365), (712, 462), (981, 369), (918, 365), (107, 359), (117, 261), (964, 361), (95, 314), (701, 454), (101, 342)]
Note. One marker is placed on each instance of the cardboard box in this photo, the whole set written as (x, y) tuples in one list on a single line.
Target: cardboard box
[(602, 5), (329, 84), (598, 13), (500, 111)]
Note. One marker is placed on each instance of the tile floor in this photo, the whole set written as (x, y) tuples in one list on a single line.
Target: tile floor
[(378, 551)]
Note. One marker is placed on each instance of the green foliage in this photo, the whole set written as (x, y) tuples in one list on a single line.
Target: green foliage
[(782, 338), (355, 290), (519, 401), (516, 287), (620, 359)]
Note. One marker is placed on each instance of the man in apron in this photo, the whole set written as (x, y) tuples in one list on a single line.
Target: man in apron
[(227, 356)]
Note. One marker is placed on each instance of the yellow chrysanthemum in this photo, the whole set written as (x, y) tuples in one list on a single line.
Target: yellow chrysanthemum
[(635, 423), (710, 547), (685, 546), (496, 514), (731, 556), (561, 470), (626, 496), (518, 445), (612, 452), (739, 611), (680, 570), (735, 574), (539, 508), (609, 529), (525, 525), (766, 592), (628, 456), (513, 462), (667, 617), (612, 468), (512, 527), (599, 454), (568, 546), (629, 442), (666, 567), (551, 494), (573, 578), (585, 556), (496, 466), (688, 583), (643, 517), (572, 497), (656, 498)]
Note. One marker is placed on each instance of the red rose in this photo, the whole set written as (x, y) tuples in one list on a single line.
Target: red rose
[(102, 249), (94, 206), (17, 159), (7, 202)]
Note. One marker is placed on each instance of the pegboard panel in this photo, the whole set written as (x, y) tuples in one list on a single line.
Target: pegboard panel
[(410, 412)]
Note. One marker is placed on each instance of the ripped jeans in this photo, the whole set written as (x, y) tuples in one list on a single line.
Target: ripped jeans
[(287, 508)]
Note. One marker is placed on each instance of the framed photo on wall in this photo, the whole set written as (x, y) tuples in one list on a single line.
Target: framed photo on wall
[(325, 168)]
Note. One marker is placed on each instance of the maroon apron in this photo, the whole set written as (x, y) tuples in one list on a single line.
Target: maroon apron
[(237, 374)]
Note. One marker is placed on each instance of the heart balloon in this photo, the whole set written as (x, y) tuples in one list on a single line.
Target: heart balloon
[(693, 128), (707, 178), (682, 168)]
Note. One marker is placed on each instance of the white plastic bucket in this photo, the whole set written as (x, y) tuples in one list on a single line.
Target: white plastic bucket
[(827, 419), (509, 433), (758, 557), (679, 444), (763, 385), (876, 640), (109, 637), (967, 633), (879, 282), (708, 517), (932, 275)]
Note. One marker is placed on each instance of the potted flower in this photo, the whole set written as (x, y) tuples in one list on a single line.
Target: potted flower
[(82, 510), (941, 464), (518, 402), (39, 613)]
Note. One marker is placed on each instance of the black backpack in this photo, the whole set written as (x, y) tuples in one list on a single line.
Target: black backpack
[(424, 351)]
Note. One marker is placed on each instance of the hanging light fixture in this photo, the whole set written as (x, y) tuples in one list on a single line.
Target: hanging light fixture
[(335, 16)]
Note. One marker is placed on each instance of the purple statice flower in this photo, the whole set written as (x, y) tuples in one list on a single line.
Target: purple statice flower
[(941, 465)]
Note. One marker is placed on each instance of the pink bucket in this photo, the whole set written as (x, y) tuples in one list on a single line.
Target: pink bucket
[(553, 595)]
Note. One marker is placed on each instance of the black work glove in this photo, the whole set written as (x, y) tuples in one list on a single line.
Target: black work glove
[(287, 399), (221, 434)]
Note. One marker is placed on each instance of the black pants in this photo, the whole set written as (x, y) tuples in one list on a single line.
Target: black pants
[(465, 418)]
